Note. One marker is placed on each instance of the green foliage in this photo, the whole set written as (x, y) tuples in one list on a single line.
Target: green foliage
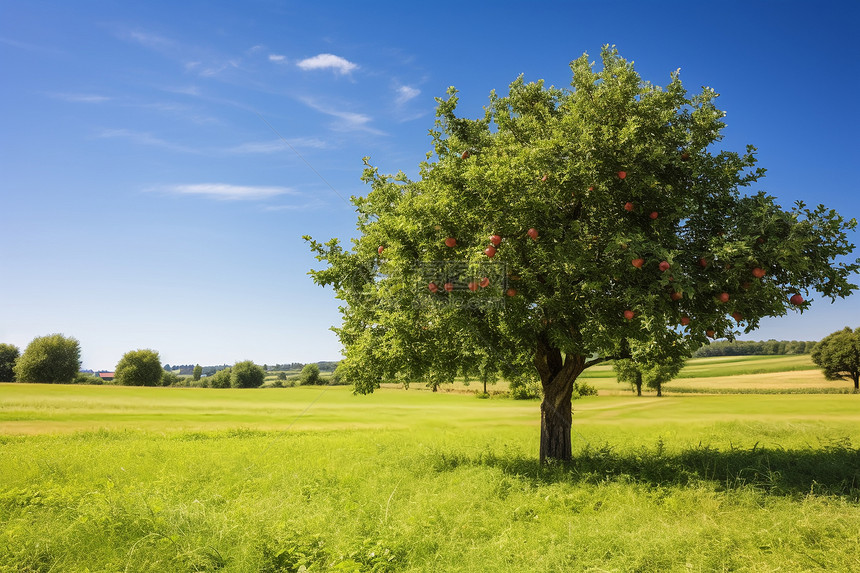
[(753, 348), (838, 355), (168, 378), (337, 378), (9, 353), (566, 162), (52, 359), (198, 371), (247, 375), (221, 379), (86, 378), (310, 375), (525, 388), (140, 367), (282, 376)]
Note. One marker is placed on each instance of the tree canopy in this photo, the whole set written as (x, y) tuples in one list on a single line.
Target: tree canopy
[(139, 368), (247, 375), (52, 359), (9, 353), (838, 355), (562, 226)]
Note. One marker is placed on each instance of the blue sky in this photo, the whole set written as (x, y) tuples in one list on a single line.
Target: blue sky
[(147, 202)]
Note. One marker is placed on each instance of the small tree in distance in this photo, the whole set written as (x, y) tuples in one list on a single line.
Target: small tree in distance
[(52, 359), (198, 371), (9, 353), (310, 375), (562, 226), (838, 354), (247, 375), (139, 368)]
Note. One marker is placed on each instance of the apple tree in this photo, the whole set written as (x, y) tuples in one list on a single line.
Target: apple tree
[(560, 228)]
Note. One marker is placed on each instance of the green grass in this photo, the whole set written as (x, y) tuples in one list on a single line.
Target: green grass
[(174, 479), (715, 366)]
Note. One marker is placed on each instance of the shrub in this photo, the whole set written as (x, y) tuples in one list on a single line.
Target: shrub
[(282, 376), (168, 378), (247, 375), (52, 359), (581, 389), (310, 375), (337, 378), (9, 353), (526, 389), (139, 368), (86, 378), (221, 379)]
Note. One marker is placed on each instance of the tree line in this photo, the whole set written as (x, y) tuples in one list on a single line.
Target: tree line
[(754, 347)]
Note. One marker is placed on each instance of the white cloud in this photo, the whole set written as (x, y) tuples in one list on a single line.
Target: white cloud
[(227, 192), (144, 138), (81, 98), (406, 93), (326, 61), (350, 121), (277, 145), (277, 58)]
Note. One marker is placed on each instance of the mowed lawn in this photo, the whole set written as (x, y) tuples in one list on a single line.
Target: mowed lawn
[(103, 478)]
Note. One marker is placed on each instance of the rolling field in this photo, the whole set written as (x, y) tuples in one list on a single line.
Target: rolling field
[(105, 478)]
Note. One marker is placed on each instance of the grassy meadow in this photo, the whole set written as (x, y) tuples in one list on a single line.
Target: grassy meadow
[(105, 478)]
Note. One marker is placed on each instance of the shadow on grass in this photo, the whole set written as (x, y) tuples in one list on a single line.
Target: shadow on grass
[(833, 469)]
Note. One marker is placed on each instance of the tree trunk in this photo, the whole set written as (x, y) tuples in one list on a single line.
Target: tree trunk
[(856, 381), (638, 383), (485, 385), (659, 389), (556, 412)]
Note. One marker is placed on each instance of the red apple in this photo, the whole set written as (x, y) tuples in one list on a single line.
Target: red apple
[(451, 242), (704, 262), (628, 206), (737, 316), (654, 215), (543, 178), (449, 287), (758, 272), (664, 266), (473, 286), (532, 233), (591, 188), (796, 300), (433, 287), (622, 174), (485, 282), (495, 240), (724, 297), (676, 296), (511, 292), (465, 155), (380, 249), (710, 333), (685, 320), (638, 263), (490, 251), (629, 314)]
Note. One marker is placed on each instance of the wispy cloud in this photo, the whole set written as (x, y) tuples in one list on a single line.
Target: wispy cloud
[(328, 61), (406, 93), (277, 58), (226, 191), (80, 98), (144, 138), (349, 121), (150, 40), (277, 145)]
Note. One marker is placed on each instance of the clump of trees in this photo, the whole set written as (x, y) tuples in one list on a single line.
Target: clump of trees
[(51, 359), (310, 375), (139, 368), (9, 354), (838, 355), (246, 374), (751, 347)]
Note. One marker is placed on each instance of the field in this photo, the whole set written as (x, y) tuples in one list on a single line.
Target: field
[(103, 478)]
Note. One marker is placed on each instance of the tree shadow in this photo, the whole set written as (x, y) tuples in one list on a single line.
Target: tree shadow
[(832, 469)]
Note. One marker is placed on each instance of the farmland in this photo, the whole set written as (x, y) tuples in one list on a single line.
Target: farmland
[(106, 478)]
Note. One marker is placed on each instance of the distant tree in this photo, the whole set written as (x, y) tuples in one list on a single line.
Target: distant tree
[(140, 367), (52, 359), (9, 353), (838, 354), (221, 379), (265, 367), (198, 371), (310, 375), (247, 375), (626, 371), (168, 378), (282, 376), (654, 362)]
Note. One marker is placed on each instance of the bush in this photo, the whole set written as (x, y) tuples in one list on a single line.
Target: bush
[(337, 378), (221, 379), (247, 375), (52, 359), (139, 368), (581, 389), (168, 378), (526, 389), (86, 378), (9, 353), (282, 376), (310, 375)]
